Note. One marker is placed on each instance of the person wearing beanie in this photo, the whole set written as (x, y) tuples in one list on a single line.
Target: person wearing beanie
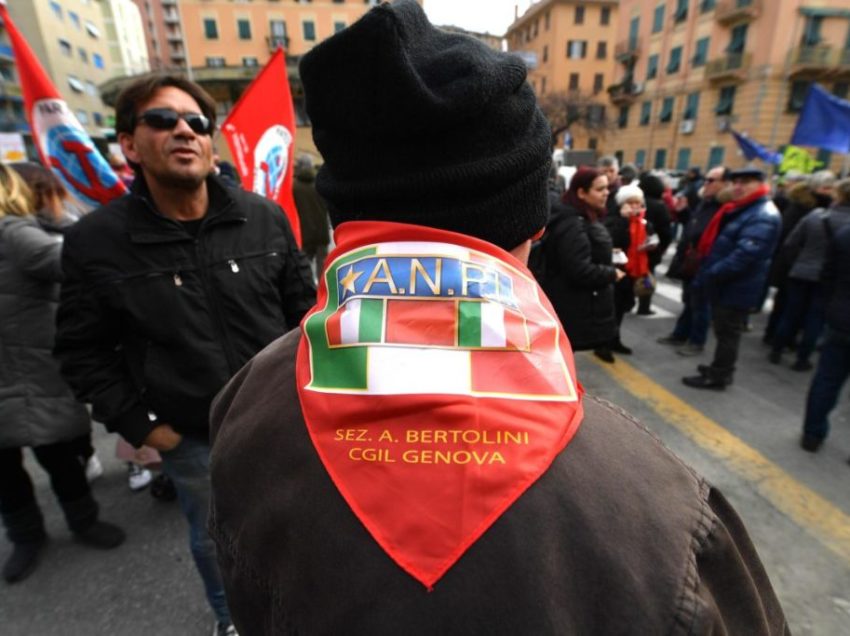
[(420, 457)]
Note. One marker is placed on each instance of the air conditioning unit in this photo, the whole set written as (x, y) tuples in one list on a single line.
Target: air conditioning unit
[(637, 88), (687, 126)]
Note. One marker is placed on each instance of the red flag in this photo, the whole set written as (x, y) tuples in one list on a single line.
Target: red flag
[(63, 144), (260, 132)]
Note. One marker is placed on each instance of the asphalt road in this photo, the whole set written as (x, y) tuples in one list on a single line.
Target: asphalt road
[(795, 504)]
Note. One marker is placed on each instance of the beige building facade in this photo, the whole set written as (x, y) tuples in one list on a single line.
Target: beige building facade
[(125, 35), (69, 39), (568, 46), (690, 71)]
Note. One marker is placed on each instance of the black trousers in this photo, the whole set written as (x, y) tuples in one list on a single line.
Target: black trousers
[(729, 323), (61, 461)]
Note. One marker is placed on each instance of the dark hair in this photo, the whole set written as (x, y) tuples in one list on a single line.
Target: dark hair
[(143, 88), (582, 180), (47, 191)]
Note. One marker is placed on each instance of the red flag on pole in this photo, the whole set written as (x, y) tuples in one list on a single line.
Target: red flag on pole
[(63, 144), (260, 132)]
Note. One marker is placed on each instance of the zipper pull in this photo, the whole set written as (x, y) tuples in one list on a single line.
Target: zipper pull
[(178, 282), (233, 266)]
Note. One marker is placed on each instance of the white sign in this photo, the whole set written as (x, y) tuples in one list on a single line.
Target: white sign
[(12, 148)]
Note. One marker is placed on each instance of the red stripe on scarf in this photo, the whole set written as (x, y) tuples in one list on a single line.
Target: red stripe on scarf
[(638, 264), (708, 237)]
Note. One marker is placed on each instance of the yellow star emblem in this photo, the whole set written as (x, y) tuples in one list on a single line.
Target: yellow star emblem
[(348, 280)]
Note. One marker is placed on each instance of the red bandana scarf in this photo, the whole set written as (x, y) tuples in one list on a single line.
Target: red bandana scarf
[(638, 263), (713, 228), (436, 384)]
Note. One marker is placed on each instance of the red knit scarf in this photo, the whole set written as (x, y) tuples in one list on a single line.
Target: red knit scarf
[(708, 237), (638, 264)]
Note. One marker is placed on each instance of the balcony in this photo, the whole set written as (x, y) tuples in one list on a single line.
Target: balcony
[(174, 35), (171, 17), (818, 60), (732, 66), (277, 41), (627, 51), (730, 11), (223, 73), (169, 3), (624, 93)]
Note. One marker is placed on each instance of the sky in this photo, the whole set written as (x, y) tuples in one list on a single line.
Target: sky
[(485, 16)]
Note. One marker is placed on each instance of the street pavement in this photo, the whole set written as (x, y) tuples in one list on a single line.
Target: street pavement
[(744, 440)]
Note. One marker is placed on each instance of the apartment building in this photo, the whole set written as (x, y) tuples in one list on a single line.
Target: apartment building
[(12, 118), (689, 71), (568, 46), (125, 35), (68, 37), (163, 34)]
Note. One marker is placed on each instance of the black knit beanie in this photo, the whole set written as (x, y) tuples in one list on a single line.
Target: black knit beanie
[(418, 125)]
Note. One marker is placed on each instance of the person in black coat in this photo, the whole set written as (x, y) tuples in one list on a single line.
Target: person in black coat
[(579, 275), (659, 218)]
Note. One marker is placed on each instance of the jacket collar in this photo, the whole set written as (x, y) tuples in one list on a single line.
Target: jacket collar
[(148, 225)]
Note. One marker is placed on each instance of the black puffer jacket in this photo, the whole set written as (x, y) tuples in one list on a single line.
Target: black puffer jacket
[(579, 276), (155, 320), (836, 276), (657, 216)]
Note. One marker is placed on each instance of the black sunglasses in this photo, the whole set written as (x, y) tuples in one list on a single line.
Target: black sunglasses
[(167, 118)]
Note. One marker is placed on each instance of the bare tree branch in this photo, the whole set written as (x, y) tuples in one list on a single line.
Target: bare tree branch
[(565, 109)]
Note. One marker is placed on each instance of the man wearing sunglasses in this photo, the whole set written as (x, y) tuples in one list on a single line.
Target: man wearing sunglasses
[(170, 290)]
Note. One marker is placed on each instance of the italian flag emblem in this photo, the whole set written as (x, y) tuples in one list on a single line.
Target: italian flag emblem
[(430, 353)]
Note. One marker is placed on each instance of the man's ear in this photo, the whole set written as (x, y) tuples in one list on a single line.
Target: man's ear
[(128, 146)]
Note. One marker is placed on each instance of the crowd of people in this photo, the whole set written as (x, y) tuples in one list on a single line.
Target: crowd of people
[(164, 311), (738, 240)]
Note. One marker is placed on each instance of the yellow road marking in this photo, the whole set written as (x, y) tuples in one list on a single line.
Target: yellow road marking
[(813, 513)]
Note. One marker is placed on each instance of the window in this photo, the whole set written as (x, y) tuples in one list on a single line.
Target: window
[(98, 119), (706, 5), (542, 85), (640, 158), (645, 113), (277, 34), (75, 84), (546, 19), (97, 60), (675, 60), (634, 29), (545, 53), (596, 113), (598, 83), (83, 54), (701, 53), (660, 159), (250, 61), (65, 47), (56, 8), (605, 16), (623, 117), (592, 143), (215, 62), (573, 82), (683, 159), (681, 13), (601, 50), (82, 116), (715, 156), (210, 29), (691, 106), (811, 33), (339, 26), (726, 102), (576, 49), (309, 29), (75, 20), (652, 66), (579, 19), (243, 28), (666, 113), (658, 19), (738, 40), (799, 90)]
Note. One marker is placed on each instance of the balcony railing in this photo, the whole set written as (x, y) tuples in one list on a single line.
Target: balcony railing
[(215, 73), (729, 11), (730, 66), (627, 50), (277, 41), (818, 59), (624, 93)]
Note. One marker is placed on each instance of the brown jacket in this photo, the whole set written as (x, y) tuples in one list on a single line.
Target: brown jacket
[(617, 537)]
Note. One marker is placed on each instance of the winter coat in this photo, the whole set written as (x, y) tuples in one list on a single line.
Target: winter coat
[(836, 277), (735, 271), (38, 407), (154, 320), (587, 549), (696, 225), (802, 199), (657, 216), (810, 240), (315, 226), (579, 277)]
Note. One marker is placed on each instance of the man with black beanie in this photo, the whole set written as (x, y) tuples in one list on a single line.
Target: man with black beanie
[(420, 458)]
